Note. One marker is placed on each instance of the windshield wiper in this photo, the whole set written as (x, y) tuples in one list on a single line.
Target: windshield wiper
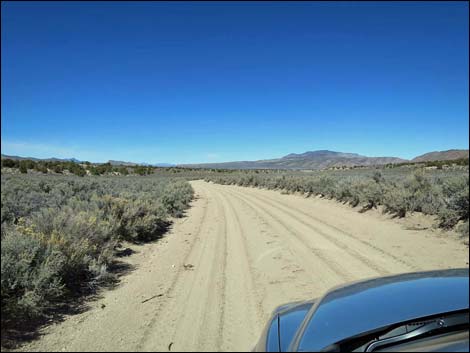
[(414, 330)]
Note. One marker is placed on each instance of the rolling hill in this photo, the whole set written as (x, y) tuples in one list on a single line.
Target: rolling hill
[(4, 156), (441, 156)]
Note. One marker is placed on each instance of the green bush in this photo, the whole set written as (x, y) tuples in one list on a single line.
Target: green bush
[(10, 163), (23, 168), (58, 168), (123, 171), (140, 170), (40, 167), (94, 171)]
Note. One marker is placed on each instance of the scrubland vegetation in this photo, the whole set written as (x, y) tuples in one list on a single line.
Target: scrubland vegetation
[(79, 169), (60, 234), (82, 169), (441, 193)]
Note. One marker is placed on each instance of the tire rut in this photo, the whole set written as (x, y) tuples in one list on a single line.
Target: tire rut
[(367, 262), (368, 245), (241, 310), (169, 292), (329, 263), (214, 320)]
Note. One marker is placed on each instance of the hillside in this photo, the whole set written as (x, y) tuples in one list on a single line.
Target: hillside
[(18, 158), (112, 162), (308, 160), (441, 156)]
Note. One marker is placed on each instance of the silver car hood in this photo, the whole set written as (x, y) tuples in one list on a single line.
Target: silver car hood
[(365, 306)]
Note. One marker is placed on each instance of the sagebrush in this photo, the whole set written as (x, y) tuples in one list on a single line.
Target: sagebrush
[(433, 192), (60, 234)]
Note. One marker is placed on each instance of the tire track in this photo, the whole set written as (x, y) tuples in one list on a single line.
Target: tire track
[(244, 244), (380, 270), (328, 263), (169, 292), (260, 313), (241, 315), (278, 277), (213, 320), (368, 245)]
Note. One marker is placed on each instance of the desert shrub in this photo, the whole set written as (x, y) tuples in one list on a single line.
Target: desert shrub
[(324, 186), (456, 202), (344, 193), (136, 220), (378, 177), (396, 200), (440, 192), (463, 229), (10, 163), (176, 196), (415, 194), (79, 236), (30, 273), (370, 193), (60, 233), (418, 188), (93, 170), (140, 170), (58, 168), (75, 169), (23, 168), (143, 220), (123, 171)]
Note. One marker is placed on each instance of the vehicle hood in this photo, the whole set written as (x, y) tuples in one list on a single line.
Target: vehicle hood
[(365, 306)]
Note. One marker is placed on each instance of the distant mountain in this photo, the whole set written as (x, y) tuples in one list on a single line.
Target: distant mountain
[(4, 156), (309, 160), (18, 158), (441, 156), (164, 165), (313, 160), (130, 164)]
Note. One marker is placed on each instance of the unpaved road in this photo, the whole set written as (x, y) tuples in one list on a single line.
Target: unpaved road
[(212, 282)]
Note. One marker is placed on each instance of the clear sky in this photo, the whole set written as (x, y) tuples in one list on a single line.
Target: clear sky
[(209, 82)]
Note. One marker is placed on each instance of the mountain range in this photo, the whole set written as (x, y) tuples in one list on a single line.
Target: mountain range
[(18, 158), (327, 159), (309, 160), (130, 164)]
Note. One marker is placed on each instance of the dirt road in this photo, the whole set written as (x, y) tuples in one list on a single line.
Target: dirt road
[(211, 283)]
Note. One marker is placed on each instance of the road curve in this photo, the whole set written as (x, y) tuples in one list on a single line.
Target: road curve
[(212, 282)]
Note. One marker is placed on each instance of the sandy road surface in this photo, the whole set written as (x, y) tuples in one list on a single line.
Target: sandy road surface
[(211, 283)]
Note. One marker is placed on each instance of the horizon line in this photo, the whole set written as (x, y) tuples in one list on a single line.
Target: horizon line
[(6, 155)]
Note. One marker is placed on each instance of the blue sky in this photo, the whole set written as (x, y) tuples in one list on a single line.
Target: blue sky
[(208, 82)]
